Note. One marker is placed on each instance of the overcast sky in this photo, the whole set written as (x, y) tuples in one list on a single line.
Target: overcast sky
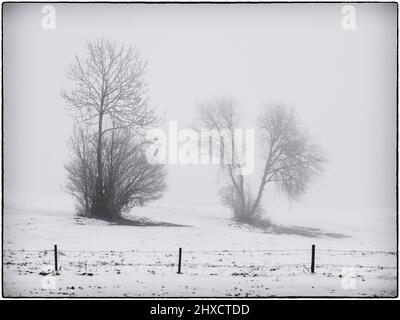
[(342, 84)]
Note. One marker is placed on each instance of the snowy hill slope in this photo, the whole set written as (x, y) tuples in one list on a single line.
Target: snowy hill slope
[(212, 244)]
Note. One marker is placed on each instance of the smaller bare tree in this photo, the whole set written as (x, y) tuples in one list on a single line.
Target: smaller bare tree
[(129, 180), (291, 160), (81, 170)]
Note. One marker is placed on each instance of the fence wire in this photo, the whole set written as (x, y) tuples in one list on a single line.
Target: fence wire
[(257, 262)]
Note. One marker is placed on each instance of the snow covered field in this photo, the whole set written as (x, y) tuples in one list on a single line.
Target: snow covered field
[(354, 257)]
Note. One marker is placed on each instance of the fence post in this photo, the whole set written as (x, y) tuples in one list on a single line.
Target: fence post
[(55, 258), (312, 258), (180, 261)]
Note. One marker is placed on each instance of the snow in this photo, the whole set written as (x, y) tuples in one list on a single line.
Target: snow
[(354, 257)]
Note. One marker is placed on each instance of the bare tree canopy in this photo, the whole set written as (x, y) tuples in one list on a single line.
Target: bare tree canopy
[(109, 101), (291, 160), (109, 85)]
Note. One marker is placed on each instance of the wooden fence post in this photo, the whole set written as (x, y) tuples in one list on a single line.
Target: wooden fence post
[(55, 258), (312, 258), (180, 261)]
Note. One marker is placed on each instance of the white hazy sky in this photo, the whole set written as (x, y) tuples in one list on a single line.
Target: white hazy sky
[(342, 84)]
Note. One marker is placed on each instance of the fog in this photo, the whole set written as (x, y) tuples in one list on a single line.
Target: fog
[(342, 84)]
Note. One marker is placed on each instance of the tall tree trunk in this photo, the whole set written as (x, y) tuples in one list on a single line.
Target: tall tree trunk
[(99, 160), (258, 199), (99, 209), (263, 183)]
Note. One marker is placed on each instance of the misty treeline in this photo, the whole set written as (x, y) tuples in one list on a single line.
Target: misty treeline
[(108, 173), (290, 159)]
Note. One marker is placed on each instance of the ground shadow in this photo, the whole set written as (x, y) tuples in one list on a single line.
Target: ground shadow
[(303, 231), (132, 221), (144, 222)]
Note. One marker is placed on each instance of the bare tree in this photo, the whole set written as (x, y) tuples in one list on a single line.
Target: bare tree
[(129, 180), (220, 115), (109, 95), (291, 159), (81, 170)]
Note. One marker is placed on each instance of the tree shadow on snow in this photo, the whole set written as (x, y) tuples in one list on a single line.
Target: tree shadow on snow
[(303, 231), (144, 222), (131, 221)]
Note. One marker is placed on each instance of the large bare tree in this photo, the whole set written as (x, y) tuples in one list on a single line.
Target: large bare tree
[(291, 160), (109, 95)]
